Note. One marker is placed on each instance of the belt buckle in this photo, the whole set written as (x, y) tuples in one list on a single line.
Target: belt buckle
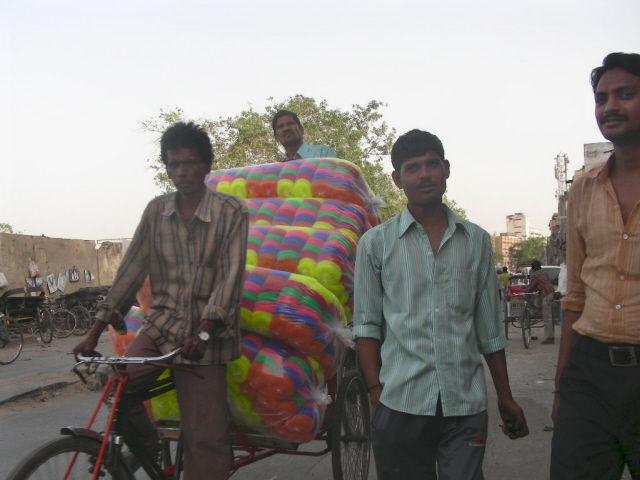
[(623, 356)]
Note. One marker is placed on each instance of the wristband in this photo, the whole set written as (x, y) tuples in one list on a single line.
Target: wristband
[(374, 386)]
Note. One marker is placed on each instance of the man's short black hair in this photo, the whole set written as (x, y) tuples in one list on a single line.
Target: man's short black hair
[(284, 113), (536, 265), (505, 269), (629, 62), (186, 135), (414, 143)]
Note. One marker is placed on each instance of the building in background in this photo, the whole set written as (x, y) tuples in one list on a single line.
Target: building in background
[(501, 244), (518, 226), (595, 154)]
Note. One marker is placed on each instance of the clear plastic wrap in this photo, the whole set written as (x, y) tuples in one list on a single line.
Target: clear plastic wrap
[(306, 218), (326, 178), (297, 311), (315, 213), (323, 254), (277, 390)]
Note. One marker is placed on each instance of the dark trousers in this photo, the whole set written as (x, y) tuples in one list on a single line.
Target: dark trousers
[(597, 430), (420, 447), (203, 412)]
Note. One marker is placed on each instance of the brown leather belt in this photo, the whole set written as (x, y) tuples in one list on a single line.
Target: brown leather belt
[(618, 355)]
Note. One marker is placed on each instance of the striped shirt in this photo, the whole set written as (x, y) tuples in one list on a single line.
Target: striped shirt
[(435, 315), (196, 272), (603, 261)]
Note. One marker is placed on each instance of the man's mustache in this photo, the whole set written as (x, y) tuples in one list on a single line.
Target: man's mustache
[(613, 116)]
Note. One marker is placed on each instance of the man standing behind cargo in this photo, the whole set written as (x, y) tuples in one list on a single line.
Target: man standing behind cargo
[(289, 131), (426, 309), (192, 246), (597, 399)]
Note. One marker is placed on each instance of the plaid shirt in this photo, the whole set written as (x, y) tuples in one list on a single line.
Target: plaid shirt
[(539, 281), (196, 272)]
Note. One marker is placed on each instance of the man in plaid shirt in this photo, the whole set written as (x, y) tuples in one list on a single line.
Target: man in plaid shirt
[(539, 281)]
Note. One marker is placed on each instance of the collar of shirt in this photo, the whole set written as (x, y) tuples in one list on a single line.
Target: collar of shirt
[(602, 174), (203, 212), (302, 151), (453, 222)]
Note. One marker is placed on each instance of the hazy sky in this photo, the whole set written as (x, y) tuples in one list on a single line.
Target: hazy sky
[(504, 84)]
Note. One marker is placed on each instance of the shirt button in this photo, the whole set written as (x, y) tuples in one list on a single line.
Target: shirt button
[(616, 207), (625, 236), (618, 307), (430, 253), (621, 277), (437, 310)]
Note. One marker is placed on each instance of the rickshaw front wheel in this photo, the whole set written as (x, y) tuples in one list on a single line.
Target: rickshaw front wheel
[(351, 429)]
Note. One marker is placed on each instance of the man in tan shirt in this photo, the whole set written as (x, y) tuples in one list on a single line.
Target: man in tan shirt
[(597, 399)]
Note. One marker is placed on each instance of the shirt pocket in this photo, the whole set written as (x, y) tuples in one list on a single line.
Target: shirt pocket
[(460, 290)]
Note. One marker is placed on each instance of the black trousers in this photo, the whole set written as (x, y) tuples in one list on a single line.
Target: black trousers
[(597, 430), (417, 447)]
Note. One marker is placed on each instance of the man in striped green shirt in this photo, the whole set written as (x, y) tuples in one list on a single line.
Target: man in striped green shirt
[(426, 309)]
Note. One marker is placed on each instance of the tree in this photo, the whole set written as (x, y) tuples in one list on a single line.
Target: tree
[(459, 211), (6, 228), (359, 135), (527, 250), (498, 257)]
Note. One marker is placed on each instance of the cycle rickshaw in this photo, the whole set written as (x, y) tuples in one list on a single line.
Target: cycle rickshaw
[(309, 213), (346, 431), (520, 308), (26, 306)]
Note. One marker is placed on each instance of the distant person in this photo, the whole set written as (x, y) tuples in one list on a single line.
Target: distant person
[(289, 131), (504, 281), (539, 282), (192, 246), (426, 312), (597, 401), (561, 291)]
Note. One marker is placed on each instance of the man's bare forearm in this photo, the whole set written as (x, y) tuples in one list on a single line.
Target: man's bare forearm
[(368, 350), (497, 364)]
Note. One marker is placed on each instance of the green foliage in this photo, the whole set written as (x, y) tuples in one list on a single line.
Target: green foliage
[(498, 257), (459, 211), (527, 250), (6, 228), (359, 135)]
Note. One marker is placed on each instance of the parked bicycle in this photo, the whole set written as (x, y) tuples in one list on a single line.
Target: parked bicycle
[(84, 312), (63, 321), (11, 340)]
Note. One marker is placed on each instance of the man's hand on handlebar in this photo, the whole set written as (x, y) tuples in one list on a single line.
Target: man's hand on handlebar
[(193, 348), (88, 346)]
